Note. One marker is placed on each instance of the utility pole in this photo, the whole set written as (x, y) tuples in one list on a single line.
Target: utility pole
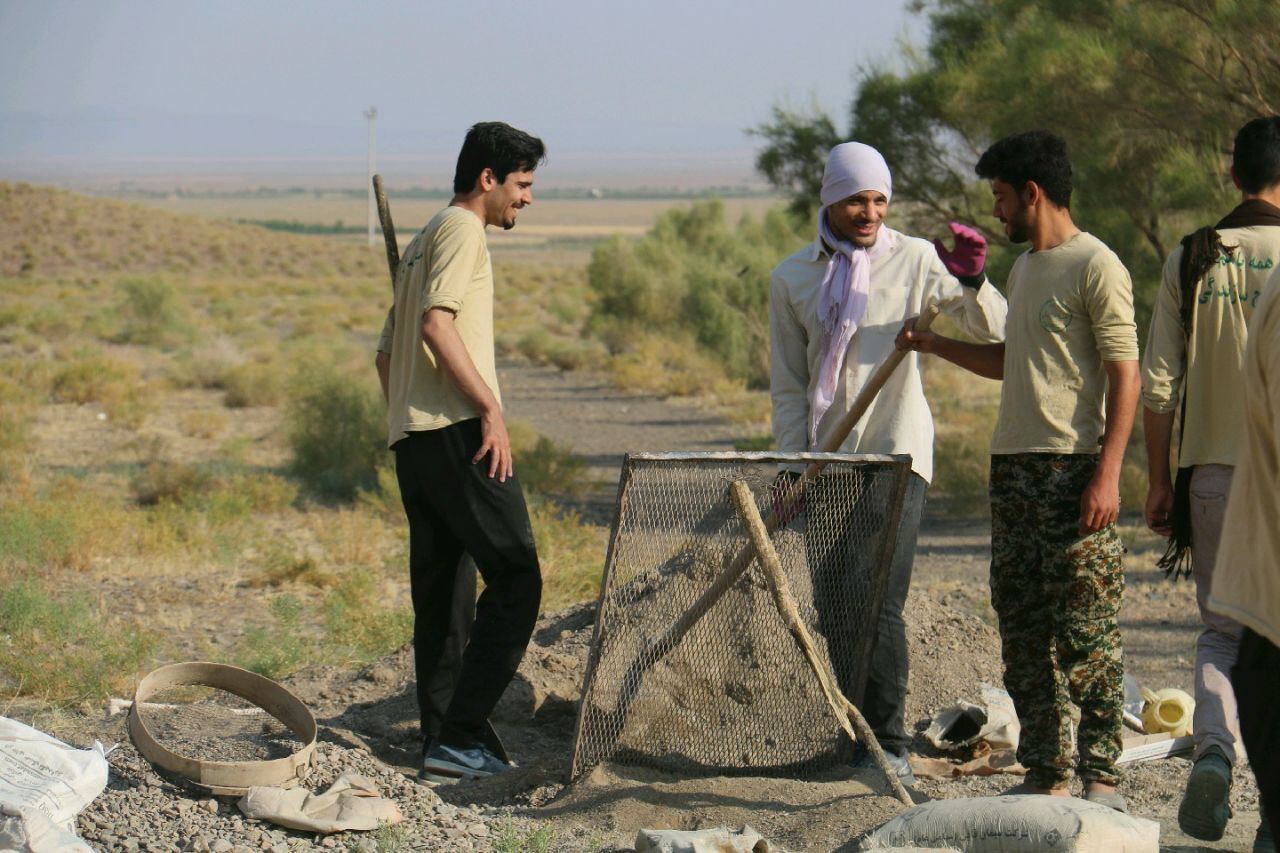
[(372, 115)]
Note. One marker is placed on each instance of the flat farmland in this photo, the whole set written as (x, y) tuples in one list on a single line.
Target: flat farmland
[(547, 221)]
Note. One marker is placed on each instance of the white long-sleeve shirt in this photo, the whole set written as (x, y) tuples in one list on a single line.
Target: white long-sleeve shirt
[(909, 276)]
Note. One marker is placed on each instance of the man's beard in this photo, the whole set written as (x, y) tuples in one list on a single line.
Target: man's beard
[(1017, 230)]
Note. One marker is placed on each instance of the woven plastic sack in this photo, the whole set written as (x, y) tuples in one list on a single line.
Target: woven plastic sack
[(1017, 824), (44, 783)]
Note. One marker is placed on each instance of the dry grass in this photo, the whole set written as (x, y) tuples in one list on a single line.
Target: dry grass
[(177, 506)]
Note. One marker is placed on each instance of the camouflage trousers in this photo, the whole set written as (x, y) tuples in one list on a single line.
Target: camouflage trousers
[(1057, 597)]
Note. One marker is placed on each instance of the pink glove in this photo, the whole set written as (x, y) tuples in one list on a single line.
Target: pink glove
[(969, 257)]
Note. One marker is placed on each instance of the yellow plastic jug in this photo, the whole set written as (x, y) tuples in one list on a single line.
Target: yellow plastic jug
[(1167, 710)]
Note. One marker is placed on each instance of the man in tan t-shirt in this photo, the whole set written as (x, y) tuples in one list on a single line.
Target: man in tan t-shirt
[(1199, 330), (1070, 371), (453, 457)]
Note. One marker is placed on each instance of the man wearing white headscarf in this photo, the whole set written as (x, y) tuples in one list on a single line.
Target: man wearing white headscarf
[(834, 309)]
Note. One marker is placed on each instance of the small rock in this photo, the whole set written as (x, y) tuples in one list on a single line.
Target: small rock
[(479, 830), (210, 805), (221, 845)]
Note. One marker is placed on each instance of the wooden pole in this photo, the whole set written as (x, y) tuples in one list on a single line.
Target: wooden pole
[(843, 709), (388, 228)]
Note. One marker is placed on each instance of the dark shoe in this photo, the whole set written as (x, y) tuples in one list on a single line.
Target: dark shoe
[(1110, 799), (1205, 809), (445, 764), (1264, 841), (898, 762)]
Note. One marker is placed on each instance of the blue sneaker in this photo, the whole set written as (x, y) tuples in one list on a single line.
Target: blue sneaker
[(898, 762), (445, 764)]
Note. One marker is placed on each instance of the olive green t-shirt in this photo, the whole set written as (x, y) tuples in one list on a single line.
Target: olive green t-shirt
[(445, 266), (1070, 310)]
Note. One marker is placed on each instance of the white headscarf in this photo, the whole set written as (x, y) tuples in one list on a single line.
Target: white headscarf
[(842, 299)]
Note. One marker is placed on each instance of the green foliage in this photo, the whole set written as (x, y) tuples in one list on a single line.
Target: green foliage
[(1147, 93), (34, 534), (544, 466), (252, 384), (570, 553), (795, 153), (361, 623), (280, 649), (510, 837), (337, 432), (692, 275), (755, 442), (151, 313), (63, 647)]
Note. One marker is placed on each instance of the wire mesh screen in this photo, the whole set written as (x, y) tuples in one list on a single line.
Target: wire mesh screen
[(728, 691)]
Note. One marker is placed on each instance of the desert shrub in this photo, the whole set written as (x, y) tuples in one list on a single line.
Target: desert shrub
[(202, 423), (361, 624), (281, 564), (151, 313), (669, 366), (252, 384), (384, 498), (62, 646), (278, 649), (91, 378), (755, 442), (161, 480), (693, 276), (544, 466), (337, 434), (509, 837), (961, 469), (204, 365), (570, 553), (32, 536), (263, 491)]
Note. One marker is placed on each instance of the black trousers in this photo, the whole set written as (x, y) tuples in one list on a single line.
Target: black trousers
[(454, 507), (1256, 681), (883, 701)]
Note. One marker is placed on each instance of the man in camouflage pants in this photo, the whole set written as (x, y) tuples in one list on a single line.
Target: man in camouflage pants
[(1070, 371)]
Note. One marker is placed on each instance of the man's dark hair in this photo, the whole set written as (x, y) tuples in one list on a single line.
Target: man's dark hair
[(1256, 155), (1035, 155), (498, 146)]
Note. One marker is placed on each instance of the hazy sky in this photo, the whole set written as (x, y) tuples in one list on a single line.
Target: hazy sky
[(229, 86)]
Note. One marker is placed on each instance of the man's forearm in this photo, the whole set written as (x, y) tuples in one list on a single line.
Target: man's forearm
[(441, 336), (1157, 428), (983, 359), (382, 361), (1121, 408)]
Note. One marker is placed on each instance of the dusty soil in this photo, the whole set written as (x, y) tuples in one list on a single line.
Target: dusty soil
[(954, 649)]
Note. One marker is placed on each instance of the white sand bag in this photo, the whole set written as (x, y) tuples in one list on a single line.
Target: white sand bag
[(719, 840), (1017, 824), (351, 802), (44, 783)]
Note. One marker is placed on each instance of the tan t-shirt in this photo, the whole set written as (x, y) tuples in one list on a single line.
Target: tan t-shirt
[(1246, 575), (1225, 301), (445, 266), (1070, 309)]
